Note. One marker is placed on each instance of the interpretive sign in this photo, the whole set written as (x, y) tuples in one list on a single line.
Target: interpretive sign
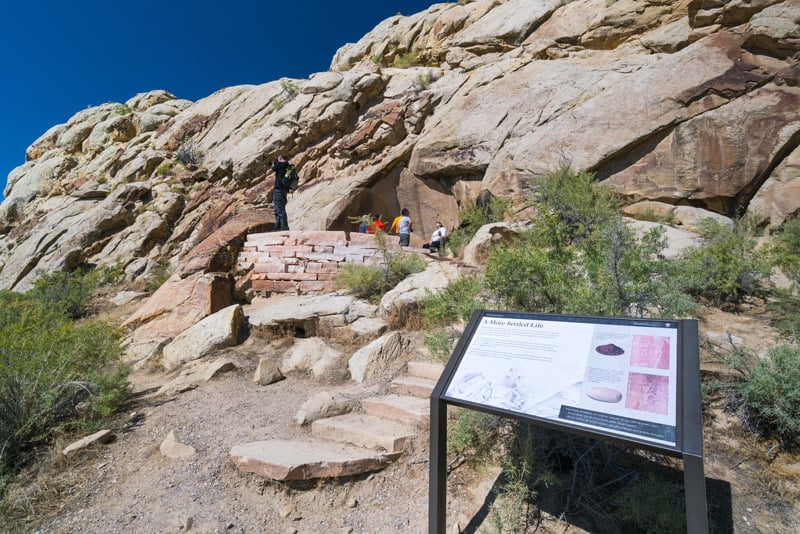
[(632, 381), (609, 375)]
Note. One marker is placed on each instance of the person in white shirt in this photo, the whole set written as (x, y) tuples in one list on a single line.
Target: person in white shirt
[(404, 228), (437, 237)]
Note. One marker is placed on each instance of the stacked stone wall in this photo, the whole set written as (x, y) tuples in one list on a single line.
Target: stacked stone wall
[(307, 262)]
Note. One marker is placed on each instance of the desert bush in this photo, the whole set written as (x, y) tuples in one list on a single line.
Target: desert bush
[(770, 395), (289, 91), (454, 303), (584, 259), (475, 435), (629, 274), (765, 392), (164, 169), (786, 301), (371, 282), (570, 206), (728, 267), (49, 366), (363, 281), (404, 61), (470, 219), (71, 292), (123, 109), (160, 274), (527, 278), (438, 343)]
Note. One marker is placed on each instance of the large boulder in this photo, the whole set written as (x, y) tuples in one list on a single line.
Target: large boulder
[(217, 331), (368, 361)]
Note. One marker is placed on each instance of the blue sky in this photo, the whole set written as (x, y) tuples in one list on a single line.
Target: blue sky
[(59, 57)]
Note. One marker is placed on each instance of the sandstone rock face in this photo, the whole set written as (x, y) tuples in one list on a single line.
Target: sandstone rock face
[(689, 103), (367, 360), (267, 372), (217, 331)]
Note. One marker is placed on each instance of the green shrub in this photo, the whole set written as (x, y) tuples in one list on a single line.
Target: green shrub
[(475, 434), (363, 281), (786, 253), (159, 275), (570, 206), (629, 275), (526, 278), (164, 169), (49, 367), (470, 219), (123, 109), (70, 292), (786, 250), (371, 282), (454, 303), (289, 91), (728, 267), (771, 395), (438, 344), (406, 60)]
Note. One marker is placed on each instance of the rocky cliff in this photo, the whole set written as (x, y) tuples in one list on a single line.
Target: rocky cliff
[(685, 102)]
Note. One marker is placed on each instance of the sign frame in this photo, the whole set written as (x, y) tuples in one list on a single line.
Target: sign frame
[(687, 410)]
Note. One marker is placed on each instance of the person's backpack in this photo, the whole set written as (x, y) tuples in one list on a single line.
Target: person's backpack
[(291, 179)]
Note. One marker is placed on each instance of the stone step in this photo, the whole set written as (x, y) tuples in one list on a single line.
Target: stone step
[(280, 459), (365, 431), (409, 410), (413, 386), (428, 370)]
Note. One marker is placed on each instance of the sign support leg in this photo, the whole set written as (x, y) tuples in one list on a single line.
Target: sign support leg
[(437, 476)]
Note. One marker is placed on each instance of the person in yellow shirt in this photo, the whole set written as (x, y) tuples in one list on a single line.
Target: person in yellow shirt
[(393, 229)]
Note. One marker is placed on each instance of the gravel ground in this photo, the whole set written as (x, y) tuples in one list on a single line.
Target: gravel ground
[(128, 486)]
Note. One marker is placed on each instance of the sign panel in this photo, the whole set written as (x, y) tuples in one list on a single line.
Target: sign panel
[(606, 375)]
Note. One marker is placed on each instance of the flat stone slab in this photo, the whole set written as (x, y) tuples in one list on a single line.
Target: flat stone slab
[(280, 459), (428, 370), (365, 431), (412, 385), (410, 410), (265, 312)]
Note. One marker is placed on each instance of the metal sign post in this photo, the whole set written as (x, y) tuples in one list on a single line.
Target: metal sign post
[(630, 381)]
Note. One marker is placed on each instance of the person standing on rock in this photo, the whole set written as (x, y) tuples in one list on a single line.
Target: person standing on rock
[(279, 167), (404, 228)]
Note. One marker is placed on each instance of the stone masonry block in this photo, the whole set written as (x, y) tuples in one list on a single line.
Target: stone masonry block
[(322, 238), (325, 257), (291, 276), (263, 285), (362, 240), (318, 285)]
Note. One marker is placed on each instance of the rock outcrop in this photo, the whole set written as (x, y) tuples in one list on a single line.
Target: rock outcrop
[(684, 102)]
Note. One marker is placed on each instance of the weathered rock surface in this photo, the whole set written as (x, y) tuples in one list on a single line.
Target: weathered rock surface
[(195, 373), (311, 354), (217, 331), (267, 372), (306, 460), (101, 436), (499, 93), (323, 404), (366, 361), (171, 447)]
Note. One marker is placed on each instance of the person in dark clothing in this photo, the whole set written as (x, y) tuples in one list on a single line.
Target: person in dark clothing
[(279, 167)]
